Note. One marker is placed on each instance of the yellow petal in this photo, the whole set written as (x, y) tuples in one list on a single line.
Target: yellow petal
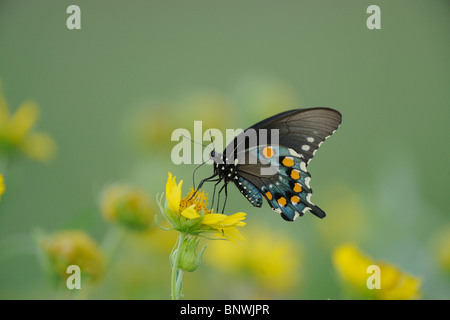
[(173, 193), (390, 276), (2, 185), (235, 219), (397, 285), (170, 184), (39, 146), (408, 287), (22, 121), (351, 264), (233, 235), (190, 213), (213, 218)]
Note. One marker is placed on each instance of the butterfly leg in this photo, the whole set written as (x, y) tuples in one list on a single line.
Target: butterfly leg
[(214, 192), (226, 197), (218, 196), (193, 174), (209, 179), (205, 180)]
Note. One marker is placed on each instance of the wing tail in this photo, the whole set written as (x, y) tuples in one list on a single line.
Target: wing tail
[(315, 210)]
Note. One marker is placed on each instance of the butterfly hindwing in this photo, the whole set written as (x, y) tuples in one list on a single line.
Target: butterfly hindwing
[(287, 189), (250, 192)]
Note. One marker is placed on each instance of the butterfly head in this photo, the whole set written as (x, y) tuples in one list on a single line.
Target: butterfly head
[(216, 157)]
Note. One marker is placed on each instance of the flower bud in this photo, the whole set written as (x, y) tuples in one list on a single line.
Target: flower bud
[(73, 247), (128, 206), (190, 256)]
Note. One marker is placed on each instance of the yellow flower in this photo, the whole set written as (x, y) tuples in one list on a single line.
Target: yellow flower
[(441, 248), (209, 105), (191, 215), (270, 259), (73, 247), (16, 132), (352, 267), (2, 185), (127, 205)]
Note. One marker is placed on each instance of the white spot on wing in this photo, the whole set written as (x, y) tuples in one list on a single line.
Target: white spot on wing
[(310, 139), (303, 166), (308, 197), (307, 180), (305, 147), (294, 153)]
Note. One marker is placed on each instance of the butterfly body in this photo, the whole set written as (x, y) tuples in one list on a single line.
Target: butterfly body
[(276, 169), (228, 172)]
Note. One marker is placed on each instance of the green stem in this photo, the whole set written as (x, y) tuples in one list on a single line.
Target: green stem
[(177, 274)]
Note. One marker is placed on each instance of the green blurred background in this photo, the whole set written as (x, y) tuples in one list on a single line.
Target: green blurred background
[(159, 65)]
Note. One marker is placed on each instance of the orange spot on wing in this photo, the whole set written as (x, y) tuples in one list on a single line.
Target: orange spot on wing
[(297, 187), (295, 174), (295, 199), (268, 152), (282, 201), (269, 195), (288, 162)]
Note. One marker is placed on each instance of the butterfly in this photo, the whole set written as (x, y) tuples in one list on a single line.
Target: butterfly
[(269, 160)]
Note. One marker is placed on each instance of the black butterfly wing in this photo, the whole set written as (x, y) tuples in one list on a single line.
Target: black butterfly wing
[(303, 130), (281, 175)]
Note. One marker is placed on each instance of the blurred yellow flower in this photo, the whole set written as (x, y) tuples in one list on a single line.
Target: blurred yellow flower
[(262, 97), (73, 247), (270, 259), (16, 135), (127, 205), (151, 125), (352, 267), (190, 214), (441, 248), (2, 185), (210, 106)]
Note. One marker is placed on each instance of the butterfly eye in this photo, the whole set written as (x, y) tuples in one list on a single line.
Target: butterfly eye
[(212, 154)]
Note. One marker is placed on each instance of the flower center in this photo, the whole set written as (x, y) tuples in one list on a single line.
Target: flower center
[(200, 199)]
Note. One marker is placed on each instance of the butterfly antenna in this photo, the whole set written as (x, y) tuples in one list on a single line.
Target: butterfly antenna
[(210, 134), (195, 141)]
